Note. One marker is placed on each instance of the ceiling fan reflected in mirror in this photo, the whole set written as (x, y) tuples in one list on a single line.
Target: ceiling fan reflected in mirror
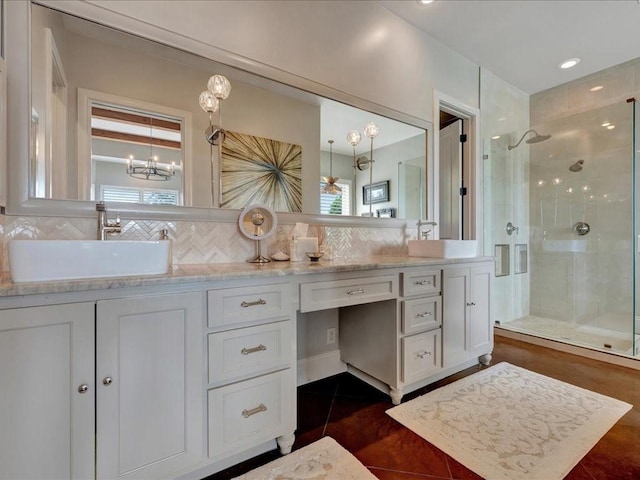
[(330, 186)]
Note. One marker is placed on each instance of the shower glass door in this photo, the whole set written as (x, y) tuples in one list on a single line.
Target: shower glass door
[(635, 154), (576, 230)]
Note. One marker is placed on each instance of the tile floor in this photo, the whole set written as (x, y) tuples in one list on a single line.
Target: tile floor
[(353, 413)]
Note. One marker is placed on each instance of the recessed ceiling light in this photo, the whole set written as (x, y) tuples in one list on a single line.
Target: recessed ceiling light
[(495, 137), (424, 2), (611, 127), (596, 88), (606, 124), (571, 62)]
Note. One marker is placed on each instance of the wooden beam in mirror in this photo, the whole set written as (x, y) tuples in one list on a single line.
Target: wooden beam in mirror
[(102, 59)]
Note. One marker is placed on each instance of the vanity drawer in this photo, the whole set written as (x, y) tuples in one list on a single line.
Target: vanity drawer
[(245, 414), (244, 351), (231, 306), (419, 314), (422, 282), (341, 293), (421, 355)]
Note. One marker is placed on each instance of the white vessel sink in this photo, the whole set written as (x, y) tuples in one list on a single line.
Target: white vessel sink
[(443, 248), (43, 260)]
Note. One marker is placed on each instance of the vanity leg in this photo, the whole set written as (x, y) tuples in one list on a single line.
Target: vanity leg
[(396, 395), (485, 359), (285, 442)]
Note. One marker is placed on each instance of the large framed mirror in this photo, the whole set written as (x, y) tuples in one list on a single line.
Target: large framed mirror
[(102, 99)]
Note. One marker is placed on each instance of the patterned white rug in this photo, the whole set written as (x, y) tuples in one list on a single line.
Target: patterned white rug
[(322, 460), (507, 423)]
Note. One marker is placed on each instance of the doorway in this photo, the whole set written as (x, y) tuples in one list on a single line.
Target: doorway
[(457, 189)]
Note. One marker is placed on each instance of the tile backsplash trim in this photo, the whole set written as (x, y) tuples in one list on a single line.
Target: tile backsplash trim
[(203, 242)]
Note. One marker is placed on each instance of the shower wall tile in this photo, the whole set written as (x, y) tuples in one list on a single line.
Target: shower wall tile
[(620, 82), (204, 242)]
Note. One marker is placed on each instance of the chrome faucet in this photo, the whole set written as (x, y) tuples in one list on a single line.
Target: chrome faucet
[(424, 234), (104, 226)]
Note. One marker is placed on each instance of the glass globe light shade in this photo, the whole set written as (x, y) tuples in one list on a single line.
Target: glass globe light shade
[(353, 137), (371, 130), (219, 86), (208, 102)]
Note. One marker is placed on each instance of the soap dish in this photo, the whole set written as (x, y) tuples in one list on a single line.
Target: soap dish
[(314, 256), (280, 257)]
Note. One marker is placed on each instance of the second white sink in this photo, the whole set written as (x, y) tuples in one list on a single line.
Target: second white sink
[(443, 248), (45, 260)]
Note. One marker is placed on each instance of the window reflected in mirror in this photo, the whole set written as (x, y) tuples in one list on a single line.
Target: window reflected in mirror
[(136, 157)]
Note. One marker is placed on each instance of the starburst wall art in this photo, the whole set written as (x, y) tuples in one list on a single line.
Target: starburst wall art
[(261, 170)]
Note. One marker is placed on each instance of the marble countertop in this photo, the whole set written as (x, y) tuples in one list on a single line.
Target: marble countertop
[(223, 271)]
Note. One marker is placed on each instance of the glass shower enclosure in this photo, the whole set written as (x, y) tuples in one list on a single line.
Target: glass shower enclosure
[(561, 219)]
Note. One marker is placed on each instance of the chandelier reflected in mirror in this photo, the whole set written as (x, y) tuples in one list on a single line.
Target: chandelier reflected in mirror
[(151, 169)]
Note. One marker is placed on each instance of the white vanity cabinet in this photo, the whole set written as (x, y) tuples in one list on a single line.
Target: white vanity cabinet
[(437, 325), (394, 344), (251, 376), (149, 385), (47, 392), (467, 330)]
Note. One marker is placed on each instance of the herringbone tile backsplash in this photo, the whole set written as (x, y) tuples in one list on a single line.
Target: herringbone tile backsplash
[(202, 242)]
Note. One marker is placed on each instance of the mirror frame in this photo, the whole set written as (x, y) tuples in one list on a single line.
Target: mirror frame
[(18, 39)]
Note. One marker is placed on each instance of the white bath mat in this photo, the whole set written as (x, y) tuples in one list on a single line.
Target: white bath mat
[(507, 423), (322, 460)]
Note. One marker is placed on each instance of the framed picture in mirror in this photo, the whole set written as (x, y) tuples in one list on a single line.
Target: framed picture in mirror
[(386, 213), (375, 193)]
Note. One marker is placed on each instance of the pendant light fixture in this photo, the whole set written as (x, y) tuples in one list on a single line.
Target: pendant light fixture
[(330, 186), (150, 170)]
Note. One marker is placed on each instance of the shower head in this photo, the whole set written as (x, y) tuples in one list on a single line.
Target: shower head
[(576, 167), (536, 139)]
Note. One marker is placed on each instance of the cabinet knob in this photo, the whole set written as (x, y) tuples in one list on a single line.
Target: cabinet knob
[(107, 381), (84, 388)]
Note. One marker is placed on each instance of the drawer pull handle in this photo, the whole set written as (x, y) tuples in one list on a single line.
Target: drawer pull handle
[(424, 314), (423, 354), (260, 408), (471, 304), (247, 351), (253, 304), (358, 291), (423, 282)]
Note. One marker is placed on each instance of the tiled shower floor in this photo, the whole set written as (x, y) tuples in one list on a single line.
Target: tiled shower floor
[(583, 335)]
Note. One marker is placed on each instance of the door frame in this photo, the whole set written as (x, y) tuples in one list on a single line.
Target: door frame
[(472, 158)]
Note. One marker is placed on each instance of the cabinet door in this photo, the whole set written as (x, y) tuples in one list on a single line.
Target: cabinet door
[(455, 295), (46, 360), (466, 326), (150, 396), (480, 328)]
